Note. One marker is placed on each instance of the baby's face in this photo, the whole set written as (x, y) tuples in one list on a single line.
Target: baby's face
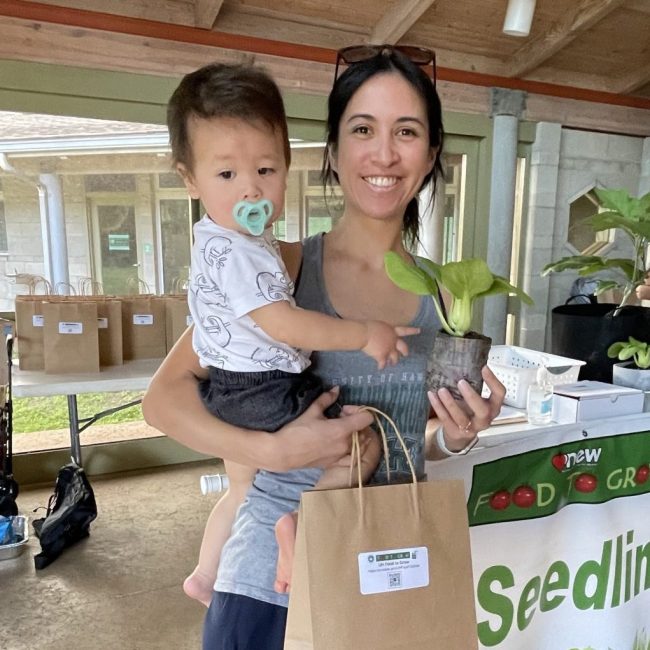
[(235, 161)]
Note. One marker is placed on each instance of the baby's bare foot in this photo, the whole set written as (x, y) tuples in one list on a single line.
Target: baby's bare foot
[(199, 586), (285, 533)]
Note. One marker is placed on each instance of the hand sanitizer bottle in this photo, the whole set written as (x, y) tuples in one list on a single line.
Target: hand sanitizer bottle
[(539, 405)]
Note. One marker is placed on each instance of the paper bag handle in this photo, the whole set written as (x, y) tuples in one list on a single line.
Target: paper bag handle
[(356, 452)]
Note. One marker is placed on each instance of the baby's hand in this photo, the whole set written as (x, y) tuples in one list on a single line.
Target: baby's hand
[(384, 344), (643, 290)]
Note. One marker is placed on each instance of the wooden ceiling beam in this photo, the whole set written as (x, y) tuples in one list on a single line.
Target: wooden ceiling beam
[(580, 17), (91, 39), (206, 12), (633, 81), (179, 12), (398, 20)]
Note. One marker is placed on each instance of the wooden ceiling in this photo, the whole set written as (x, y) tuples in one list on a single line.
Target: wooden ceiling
[(593, 50)]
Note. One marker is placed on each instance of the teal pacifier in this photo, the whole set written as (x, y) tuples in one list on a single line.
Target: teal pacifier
[(253, 216)]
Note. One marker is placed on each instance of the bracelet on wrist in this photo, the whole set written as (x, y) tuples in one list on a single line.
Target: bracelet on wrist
[(442, 445)]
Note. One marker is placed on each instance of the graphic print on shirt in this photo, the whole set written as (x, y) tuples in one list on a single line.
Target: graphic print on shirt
[(274, 286), (216, 251), (392, 392), (217, 359), (218, 329), (208, 292), (274, 358)]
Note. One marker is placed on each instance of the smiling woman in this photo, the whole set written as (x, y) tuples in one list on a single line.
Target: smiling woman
[(383, 147)]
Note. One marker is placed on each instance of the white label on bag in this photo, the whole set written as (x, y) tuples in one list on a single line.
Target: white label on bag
[(393, 570), (188, 320), (143, 319), (102, 323), (70, 328), (37, 320)]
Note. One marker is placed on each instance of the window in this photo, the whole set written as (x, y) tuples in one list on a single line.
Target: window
[(109, 183), (170, 180), (581, 235), (175, 240), (453, 205)]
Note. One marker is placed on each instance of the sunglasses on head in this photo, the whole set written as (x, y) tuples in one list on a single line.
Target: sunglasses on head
[(421, 56)]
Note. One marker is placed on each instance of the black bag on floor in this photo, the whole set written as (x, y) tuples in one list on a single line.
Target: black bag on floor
[(70, 511)]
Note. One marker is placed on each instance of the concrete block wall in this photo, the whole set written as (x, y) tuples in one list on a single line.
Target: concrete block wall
[(23, 237)]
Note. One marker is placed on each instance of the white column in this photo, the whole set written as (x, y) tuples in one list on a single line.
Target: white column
[(644, 178), (58, 245), (644, 187), (538, 238), (507, 107)]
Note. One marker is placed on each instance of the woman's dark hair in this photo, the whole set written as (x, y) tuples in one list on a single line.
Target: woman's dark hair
[(387, 61), (219, 90)]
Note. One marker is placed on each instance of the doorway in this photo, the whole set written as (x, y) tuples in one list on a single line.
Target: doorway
[(115, 245)]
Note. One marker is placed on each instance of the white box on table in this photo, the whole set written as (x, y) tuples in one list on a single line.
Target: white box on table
[(592, 400)]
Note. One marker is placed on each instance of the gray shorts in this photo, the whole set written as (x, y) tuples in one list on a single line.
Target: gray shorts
[(265, 401)]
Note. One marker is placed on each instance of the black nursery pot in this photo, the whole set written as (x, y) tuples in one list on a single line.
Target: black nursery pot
[(585, 332), (454, 358)]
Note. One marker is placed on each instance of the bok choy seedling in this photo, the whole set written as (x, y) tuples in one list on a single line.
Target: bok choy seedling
[(466, 281), (633, 349)]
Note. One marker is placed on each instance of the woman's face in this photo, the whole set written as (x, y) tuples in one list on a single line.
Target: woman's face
[(383, 151)]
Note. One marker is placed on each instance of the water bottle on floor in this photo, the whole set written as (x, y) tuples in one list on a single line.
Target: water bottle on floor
[(214, 483)]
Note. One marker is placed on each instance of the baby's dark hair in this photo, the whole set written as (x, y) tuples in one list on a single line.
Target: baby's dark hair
[(221, 90)]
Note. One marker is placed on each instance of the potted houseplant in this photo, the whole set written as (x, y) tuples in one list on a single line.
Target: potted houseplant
[(634, 371), (585, 331), (458, 352)]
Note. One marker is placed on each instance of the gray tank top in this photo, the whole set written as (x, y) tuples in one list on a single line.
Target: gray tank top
[(248, 559)]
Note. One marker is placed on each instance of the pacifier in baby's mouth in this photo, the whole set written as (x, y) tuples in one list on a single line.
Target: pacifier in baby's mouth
[(253, 216)]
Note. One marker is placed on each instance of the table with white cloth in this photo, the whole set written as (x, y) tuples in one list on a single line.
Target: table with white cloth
[(560, 533), (131, 376)]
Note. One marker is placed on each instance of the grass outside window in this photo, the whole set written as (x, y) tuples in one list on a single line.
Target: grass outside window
[(48, 413)]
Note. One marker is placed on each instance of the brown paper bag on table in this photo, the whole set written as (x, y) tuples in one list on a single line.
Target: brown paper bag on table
[(178, 318), (383, 567), (143, 327), (70, 337), (109, 324), (29, 331)]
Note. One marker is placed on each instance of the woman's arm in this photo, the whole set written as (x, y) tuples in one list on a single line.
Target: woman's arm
[(172, 405)]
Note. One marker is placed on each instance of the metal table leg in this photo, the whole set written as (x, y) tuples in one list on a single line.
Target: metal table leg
[(73, 417), (77, 424)]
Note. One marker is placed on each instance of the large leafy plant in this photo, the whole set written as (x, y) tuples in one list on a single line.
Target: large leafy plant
[(632, 216), (638, 351), (466, 282)]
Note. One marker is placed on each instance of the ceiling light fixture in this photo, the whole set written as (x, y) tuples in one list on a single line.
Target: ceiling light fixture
[(519, 17)]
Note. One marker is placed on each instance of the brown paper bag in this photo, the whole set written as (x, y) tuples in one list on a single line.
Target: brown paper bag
[(109, 324), (70, 338), (383, 567), (143, 327), (178, 317), (29, 332)]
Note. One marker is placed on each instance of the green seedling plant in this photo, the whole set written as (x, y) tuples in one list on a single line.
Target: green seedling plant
[(466, 282), (632, 216), (638, 351)]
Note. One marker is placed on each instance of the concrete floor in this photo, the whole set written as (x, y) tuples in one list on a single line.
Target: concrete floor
[(120, 587)]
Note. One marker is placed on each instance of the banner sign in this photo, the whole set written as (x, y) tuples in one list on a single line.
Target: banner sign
[(560, 534)]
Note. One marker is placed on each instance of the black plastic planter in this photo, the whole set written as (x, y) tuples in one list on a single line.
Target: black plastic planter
[(585, 332), (454, 358)]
